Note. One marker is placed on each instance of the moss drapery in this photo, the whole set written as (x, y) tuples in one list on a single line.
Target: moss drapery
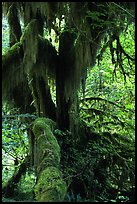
[(16, 77), (84, 25)]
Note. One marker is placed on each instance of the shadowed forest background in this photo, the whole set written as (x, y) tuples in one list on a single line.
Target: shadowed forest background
[(68, 101)]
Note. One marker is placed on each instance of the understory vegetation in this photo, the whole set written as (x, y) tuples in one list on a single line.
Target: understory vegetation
[(101, 167)]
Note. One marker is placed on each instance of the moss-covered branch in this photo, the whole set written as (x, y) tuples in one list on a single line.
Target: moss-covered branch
[(50, 186), (17, 77), (12, 56)]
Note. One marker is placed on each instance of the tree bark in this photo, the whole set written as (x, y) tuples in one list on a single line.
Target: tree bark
[(15, 28), (42, 98), (67, 103)]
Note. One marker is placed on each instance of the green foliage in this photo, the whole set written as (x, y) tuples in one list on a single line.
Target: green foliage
[(109, 106), (110, 100), (15, 145), (24, 189), (107, 165), (104, 166)]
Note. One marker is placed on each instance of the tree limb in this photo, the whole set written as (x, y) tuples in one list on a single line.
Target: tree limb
[(101, 99), (123, 9)]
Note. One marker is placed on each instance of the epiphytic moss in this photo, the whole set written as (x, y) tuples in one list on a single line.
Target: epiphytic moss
[(50, 187), (47, 149)]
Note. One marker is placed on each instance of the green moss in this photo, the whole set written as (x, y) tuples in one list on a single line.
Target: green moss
[(47, 149), (50, 186), (12, 74), (29, 39), (11, 55), (42, 121)]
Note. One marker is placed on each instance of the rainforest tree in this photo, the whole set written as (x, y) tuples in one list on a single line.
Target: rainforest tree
[(58, 43)]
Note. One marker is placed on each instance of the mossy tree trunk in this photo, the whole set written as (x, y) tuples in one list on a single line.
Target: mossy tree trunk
[(44, 105), (50, 186), (66, 95)]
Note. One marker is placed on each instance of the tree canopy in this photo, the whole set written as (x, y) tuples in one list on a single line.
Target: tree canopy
[(81, 24)]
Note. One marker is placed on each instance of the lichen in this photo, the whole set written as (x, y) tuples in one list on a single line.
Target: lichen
[(50, 187)]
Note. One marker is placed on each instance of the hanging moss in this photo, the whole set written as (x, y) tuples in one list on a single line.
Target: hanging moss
[(39, 54), (75, 58), (19, 69), (12, 72), (14, 24), (78, 48), (30, 45), (48, 58), (80, 55), (11, 55)]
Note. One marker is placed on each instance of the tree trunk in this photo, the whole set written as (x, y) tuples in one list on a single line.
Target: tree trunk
[(14, 24), (63, 121), (66, 96), (50, 186), (42, 98)]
